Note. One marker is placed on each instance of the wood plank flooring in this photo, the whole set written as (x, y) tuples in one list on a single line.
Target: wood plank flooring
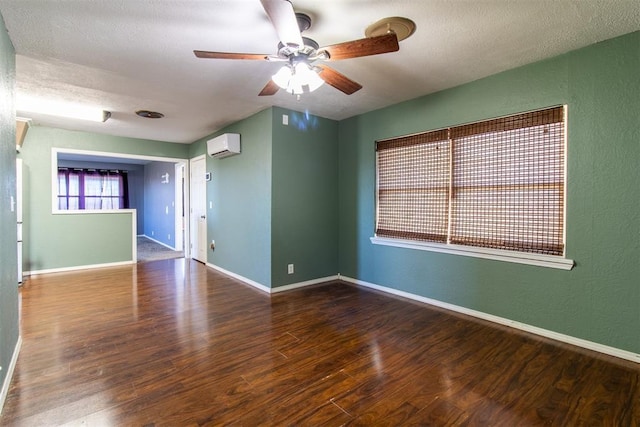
[(175, 343)]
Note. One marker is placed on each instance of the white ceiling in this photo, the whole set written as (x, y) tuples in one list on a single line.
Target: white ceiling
[(127, 55)]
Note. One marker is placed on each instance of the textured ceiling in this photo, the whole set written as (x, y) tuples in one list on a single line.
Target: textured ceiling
[(127, 55)]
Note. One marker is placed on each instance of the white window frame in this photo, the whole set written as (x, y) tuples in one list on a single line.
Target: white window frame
[(542, 260)]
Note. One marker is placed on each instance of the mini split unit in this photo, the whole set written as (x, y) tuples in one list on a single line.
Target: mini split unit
[(224, 145)]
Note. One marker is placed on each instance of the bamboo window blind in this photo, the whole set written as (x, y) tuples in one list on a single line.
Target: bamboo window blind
[(496, 184)]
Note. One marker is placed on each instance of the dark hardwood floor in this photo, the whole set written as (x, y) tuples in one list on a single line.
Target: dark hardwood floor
[(175, 343)]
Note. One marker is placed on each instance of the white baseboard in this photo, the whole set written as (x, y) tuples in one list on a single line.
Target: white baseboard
[(304, 284), (77, 267), (7, 379), (579, 342), (249, 282), (269, 290), (158, 242)]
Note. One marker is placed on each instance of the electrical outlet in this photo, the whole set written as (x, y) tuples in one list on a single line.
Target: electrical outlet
[(213, 245), (290, 269)]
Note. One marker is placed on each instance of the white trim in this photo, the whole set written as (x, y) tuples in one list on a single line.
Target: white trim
[(304, 284), (277, 289), (117, 155), (54, 166), (54, 178), (158, 242), (94, 211), (565, 118), (78, 267), (179, 184), (579, 342), (7, 379), (134, 233), (250, 282), (540, 260), (189, 220)]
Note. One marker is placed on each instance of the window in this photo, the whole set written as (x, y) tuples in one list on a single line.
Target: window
[(92, 189), (496, 184)]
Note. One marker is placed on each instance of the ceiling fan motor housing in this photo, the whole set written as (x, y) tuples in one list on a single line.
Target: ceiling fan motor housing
[(309, 49)]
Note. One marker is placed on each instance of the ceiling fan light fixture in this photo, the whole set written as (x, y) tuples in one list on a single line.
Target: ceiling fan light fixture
[(282, 77), (308, 76), (297, 79), (299, 53)]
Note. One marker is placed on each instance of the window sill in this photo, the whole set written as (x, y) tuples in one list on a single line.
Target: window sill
[(90, 211), (486, 253)]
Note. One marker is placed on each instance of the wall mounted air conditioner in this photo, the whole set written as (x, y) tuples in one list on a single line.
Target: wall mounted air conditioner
[(224, 145)]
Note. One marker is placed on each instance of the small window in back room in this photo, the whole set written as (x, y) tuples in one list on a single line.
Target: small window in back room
[(497, 184), (92, 189)]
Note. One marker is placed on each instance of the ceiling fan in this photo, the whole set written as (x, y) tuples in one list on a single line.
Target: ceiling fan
[(300, 74)]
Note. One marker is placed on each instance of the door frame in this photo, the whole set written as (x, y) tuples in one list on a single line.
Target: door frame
[(180, 206), (192, 250)]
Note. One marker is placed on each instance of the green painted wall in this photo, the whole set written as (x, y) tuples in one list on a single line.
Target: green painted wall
[(61, 241), (77, 240), (304, 218), (240, 195), (599, 300), (8, 254), (278, 195)]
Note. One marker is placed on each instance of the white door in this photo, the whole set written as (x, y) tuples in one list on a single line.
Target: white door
[(198, 209)]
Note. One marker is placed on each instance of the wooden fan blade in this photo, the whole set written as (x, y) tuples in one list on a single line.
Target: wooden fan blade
[(363, 47), (338, 80), (270, 89), (283, 18), (225, 55)]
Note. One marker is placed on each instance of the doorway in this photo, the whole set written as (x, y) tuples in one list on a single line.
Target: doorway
[(135, 165)]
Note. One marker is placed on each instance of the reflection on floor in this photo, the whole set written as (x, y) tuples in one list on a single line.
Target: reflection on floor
[(174, 343), (148, 250)]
